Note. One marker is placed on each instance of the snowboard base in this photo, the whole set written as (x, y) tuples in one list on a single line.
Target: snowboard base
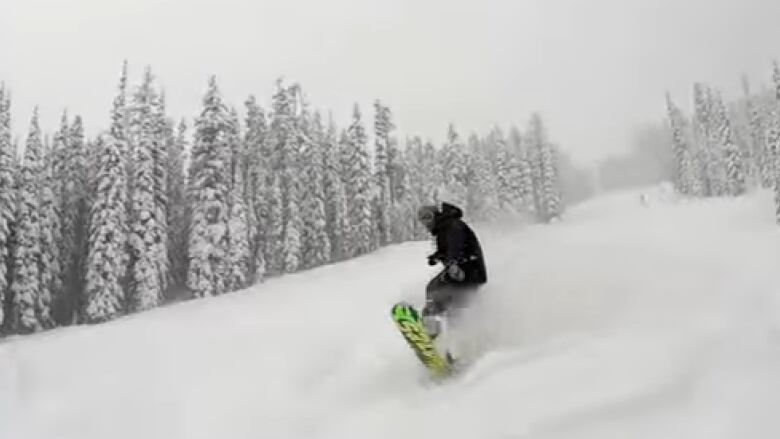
[(411, 327)]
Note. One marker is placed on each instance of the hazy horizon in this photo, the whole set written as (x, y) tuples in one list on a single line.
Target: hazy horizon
[(595, 71)]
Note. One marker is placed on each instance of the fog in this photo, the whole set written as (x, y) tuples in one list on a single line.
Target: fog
[(596, 70)]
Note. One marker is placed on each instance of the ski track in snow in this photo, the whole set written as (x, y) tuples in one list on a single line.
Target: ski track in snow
[(622, 321)]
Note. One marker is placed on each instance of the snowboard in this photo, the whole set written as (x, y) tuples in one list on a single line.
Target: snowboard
[(411, 327)]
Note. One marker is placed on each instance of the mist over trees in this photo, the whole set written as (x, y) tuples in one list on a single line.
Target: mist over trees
[(95, 228), (648, 160)]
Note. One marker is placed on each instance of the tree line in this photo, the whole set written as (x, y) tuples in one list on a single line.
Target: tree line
[(92, 229)]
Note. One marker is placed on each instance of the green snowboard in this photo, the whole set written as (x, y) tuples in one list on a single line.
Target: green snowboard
[(409, 323)]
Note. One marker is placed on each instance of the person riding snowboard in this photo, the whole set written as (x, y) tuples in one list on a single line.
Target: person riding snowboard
[(458, 249)]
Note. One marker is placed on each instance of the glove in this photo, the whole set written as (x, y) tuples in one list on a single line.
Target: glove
[(432, 259), (455, 272)]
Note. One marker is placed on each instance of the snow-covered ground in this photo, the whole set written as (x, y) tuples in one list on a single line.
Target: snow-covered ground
[(626, 320)]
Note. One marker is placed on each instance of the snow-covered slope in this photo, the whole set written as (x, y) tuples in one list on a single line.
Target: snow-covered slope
[(623, 321)]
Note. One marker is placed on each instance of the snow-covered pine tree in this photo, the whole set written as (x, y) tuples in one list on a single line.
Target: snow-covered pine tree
[(283, 161), (524, 186), (773, 150), (754, 134), (107, 256), (239, 253), (553, 205), (415, 169), (163, 138), (383, 125), (733, 162), (289, 146), (402, 214), (507, 172), (73, 199), (482, 192), (432, 180), (547, 187), (395, 170), (357, 179), (257, 173), (178, 218), (208, 193), (454, 168), (7, 195), (317, 249), (708, 140), (686, 179), (26, 286), (146, 237), (293, 251), (51, 239), (274, 229), (64, 304), (336, 219)]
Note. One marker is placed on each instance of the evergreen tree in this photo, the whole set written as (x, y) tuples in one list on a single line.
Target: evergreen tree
[(317, 250), (64, 304), (547, 188), (146, 236), (730, 151), (107, 256), (773, 149), (553, 205), (414, 159), (178, 218), (523, 186), (507, 171), (74, 202), (238, 251), (482, 192), (336, 219), (403, 217), (755, 134), (274, 230), (685, 175), (208, 197), (355, 166), (293, 251), (26, 286), (7, 195), (284, 147), (163, 139), (50, 263), (257, 180), (708, 136), (383, 125), (454, 168)]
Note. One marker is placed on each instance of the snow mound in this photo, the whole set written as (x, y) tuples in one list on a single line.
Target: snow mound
[(622, 320)]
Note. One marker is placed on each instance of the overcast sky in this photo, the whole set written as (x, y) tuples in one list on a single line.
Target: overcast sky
[(595, 69)]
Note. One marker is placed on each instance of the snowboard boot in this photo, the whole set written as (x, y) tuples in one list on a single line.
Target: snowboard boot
[(433, 324)]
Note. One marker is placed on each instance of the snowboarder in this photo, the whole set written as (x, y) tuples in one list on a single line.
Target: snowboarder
[(458, 249)]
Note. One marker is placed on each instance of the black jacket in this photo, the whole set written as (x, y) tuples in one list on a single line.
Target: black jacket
[(457, 243)]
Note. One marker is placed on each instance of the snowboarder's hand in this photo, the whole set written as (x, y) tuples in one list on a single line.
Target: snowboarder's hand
[(454, 272), (432, 260)]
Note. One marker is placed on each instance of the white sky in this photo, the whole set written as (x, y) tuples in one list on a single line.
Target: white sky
[(594, 68)]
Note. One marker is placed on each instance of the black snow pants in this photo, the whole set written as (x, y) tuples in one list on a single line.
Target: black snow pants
[(443, 293)]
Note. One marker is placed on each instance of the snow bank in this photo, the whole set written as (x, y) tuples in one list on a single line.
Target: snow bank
[(622, 321)]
